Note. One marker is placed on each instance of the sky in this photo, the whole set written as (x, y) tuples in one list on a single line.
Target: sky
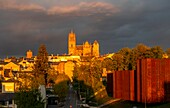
[(115, 24)]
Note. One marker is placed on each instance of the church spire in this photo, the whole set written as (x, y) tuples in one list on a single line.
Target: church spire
[(71, 43), (72, 31)]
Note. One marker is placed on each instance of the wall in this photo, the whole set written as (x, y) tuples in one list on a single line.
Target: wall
[(150, 83)]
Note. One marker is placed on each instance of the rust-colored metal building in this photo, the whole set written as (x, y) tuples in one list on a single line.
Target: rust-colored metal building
[(150, 83), (123, 85), (153, 80), (109, 87)]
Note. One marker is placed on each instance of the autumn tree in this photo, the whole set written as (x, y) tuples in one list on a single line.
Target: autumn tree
[(141, 51), (41, 66), (108, 64), (126, 53), (28, 98), (61, 86), (117, 61), (52, 76), (157, 52), (88, 76), (168, 52), (96, 68)]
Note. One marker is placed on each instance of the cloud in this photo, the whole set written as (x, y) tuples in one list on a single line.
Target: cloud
[(115, 24), (21, 7), (82, 8)]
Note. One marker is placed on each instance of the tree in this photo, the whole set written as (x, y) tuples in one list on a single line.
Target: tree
[(157, 52), (168, 52), (52, 76), (118, 61), (61, 89), (61, 85), (108, 64), (141, 51), (126, 53), (41, 66), (28, 99), (88, 76), (96, 68)]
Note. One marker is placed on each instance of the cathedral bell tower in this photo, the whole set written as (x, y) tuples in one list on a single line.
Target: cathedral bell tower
[(71, 43), (95, 49)]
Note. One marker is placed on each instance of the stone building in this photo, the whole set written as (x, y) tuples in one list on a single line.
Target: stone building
[(29, 54), (86, 49)]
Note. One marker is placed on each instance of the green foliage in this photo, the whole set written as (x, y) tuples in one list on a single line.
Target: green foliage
[(142, 51), (108, 64), (87, 77), (82, 73), (28, 99), (157, 52), (41, 66), (42, 59), (118, 61), (125, 58), (26, 80), (52, 76), (61, 89), (126, 53), (61, 85), (168, 52), (96, 69)]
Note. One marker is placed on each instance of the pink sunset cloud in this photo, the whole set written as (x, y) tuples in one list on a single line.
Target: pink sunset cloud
[(21, 7), (89, 7), (82, 8)]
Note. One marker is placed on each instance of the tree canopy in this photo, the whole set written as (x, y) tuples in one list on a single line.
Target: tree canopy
[(29, 98), (41, 66), (125, 58)]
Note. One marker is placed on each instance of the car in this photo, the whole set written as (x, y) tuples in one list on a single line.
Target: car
[(52, 101)]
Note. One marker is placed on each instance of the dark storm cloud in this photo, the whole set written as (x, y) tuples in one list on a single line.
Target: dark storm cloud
[(29, 32), (22, 27), (115, 24), (137, 22)]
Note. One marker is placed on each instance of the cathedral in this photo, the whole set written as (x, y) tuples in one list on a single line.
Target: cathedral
[(86, 49)]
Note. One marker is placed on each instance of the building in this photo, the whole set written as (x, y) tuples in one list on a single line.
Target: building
[(150, 83), (86, 49), (26, 65), (8, 86), (29, 54), (64, 64), (7, 95)]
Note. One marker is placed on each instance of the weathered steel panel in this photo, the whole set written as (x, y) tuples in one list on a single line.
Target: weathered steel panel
[(143, 81), (161, 80), (150, 83), (124, 85), (125, 81), (167, 83), (154, 80), (138, 75), (109, 87), (132, 86)]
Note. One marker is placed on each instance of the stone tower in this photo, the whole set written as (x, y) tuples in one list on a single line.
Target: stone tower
[(29, 54), (95, 49), (87, 49), (71, 43)]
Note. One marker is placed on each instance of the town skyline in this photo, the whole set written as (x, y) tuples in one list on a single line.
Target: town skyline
[(26, 24)]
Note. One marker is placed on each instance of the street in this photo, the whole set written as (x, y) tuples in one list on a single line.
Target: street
[(72, 100)]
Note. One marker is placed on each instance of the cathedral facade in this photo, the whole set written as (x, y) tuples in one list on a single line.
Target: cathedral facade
[(86, 49)]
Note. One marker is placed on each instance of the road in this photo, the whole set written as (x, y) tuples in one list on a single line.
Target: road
[(72, 100)]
